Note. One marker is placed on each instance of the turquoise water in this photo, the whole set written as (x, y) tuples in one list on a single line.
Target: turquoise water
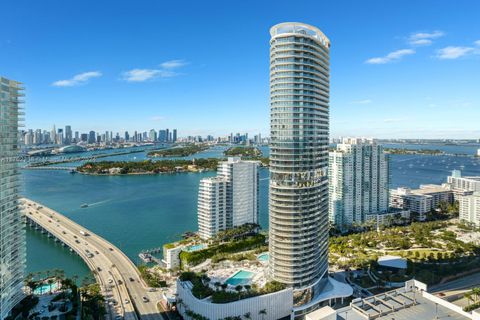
[(195, 247), (46, 288), (242, 277), (133, 212), (142, 212), (263, 257)]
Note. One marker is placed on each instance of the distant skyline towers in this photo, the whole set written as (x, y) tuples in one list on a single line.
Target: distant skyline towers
[(12, 233), (359, 181), (298, 202)]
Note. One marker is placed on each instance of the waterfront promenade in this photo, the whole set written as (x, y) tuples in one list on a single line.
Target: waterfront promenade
[(117, 275)]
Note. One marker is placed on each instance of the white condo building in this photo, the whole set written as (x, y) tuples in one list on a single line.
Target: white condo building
[(242, 190), (212, 206), (230, 199), (12, 233), (358, 172), (469, 208), (471, 183)]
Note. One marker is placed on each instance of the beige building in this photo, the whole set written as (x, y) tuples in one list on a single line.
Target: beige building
[(469, 208)]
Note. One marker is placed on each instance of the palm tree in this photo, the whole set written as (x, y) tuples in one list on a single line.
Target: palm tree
[(476, 292), (263, 313), (468, 296)]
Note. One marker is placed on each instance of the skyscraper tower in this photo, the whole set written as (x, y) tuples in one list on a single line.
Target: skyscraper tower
[(12, 233), (298, 205)]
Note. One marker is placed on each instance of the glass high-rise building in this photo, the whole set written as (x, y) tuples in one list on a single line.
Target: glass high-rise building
[(298, 203), (12, 233)]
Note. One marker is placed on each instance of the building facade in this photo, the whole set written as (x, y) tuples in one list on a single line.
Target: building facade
[(464, 183), (12, 233), (230, 199), (212, 206), (242, 190), (469, 208), (298, 196), (423, 200), (359, 180)]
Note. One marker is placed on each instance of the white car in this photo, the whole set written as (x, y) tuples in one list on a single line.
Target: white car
[(126, 301)]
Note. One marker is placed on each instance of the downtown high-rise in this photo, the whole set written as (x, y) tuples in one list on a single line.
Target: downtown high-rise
[(298, 203), (12, 233)]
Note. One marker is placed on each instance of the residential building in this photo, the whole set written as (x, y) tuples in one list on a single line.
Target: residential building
[(12, 233), (358, 172), (230, 199), (391, 217), (421, 201), (212, 206), (469, 208), (242, 190), (298, 201), (471, 183)]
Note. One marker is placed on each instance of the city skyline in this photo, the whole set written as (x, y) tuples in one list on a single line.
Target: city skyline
[(153, 83)]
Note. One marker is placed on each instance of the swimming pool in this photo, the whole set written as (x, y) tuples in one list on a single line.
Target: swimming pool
[(263, 257), (195, 247), (46, 288), (241, 277)]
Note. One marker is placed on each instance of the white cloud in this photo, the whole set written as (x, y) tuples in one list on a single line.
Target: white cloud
[(78, 79), (391, 57), (365, 101), (477, 43), (424, 38), (141, 75), (165, 71), (392, 120), (172, 64), (454, 52), (157, 118)]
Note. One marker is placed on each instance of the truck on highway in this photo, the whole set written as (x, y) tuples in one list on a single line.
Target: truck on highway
[(83, 233)]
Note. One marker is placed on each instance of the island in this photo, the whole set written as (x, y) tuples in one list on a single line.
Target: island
[(248, 153), (178, 151), (148, 166), (430, 152), (245, 152)]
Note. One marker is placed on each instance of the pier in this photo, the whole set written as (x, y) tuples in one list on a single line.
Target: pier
[(116, 274)]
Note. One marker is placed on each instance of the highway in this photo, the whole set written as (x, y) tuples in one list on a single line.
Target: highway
[(117, 275)]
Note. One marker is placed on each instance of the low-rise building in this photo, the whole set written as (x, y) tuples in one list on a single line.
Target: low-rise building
[(171, 255), (393, 216), (422, 200), (469, 208), (273, 306), (409, 302)]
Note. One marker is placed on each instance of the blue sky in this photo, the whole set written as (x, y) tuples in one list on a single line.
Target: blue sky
[(398, 68)]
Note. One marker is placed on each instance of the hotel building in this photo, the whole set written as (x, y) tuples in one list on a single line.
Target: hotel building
[(12, 233)]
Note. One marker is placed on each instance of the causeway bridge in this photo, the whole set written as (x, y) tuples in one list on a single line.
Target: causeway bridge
[(129, 297)]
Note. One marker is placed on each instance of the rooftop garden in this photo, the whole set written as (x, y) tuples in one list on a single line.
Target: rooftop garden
[(249, 242), (202, 288)]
